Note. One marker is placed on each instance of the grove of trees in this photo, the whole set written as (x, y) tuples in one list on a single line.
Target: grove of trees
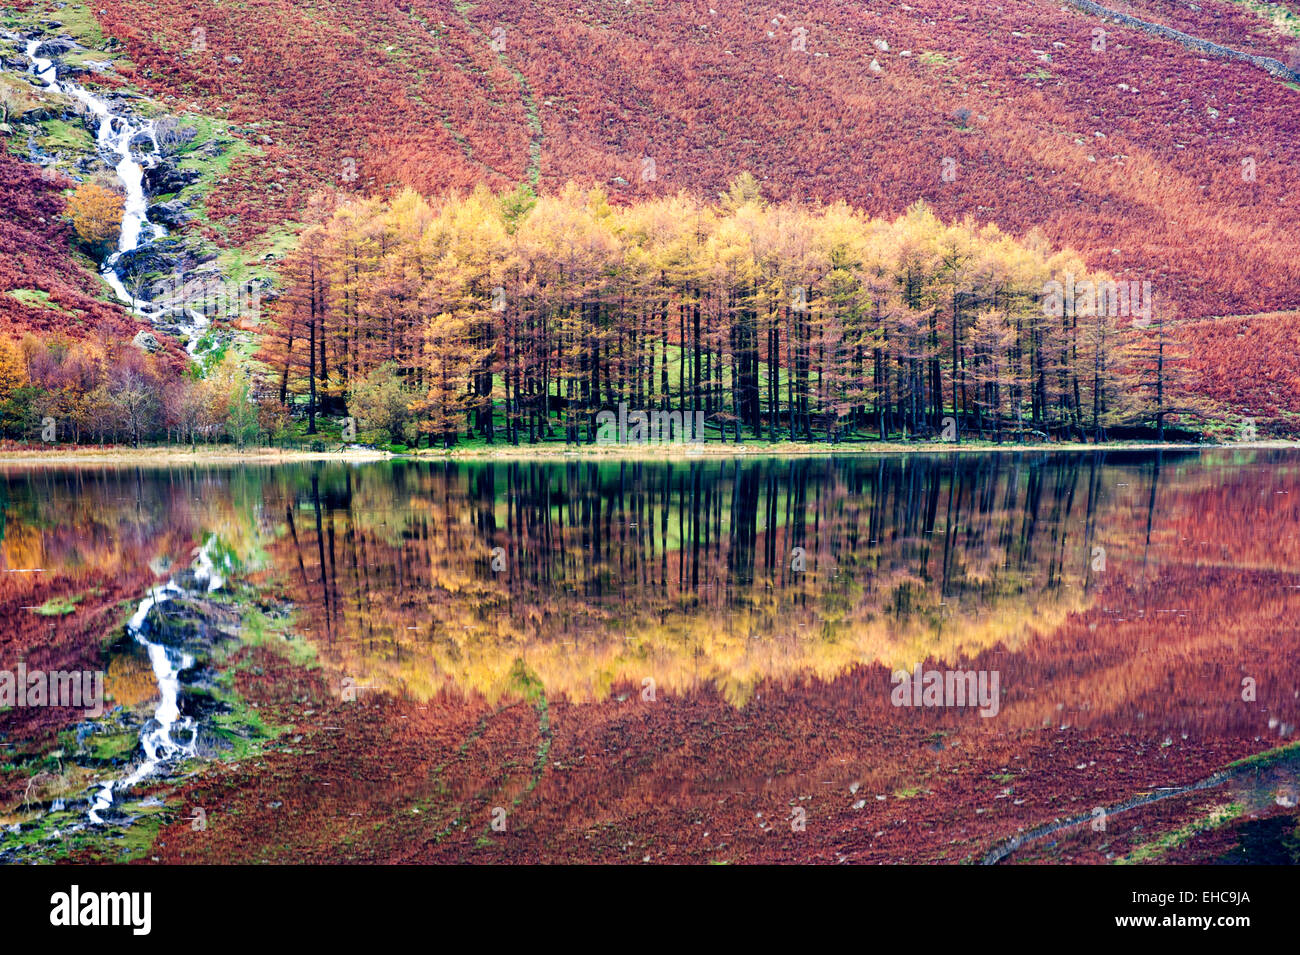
[(508, 317), (56, 389)]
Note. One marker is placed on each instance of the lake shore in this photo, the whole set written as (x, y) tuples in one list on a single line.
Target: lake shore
[(125, 456), (161, 456), (819, 449)]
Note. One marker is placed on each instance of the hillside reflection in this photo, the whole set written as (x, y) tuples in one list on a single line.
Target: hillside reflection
[(1131, 585), (1120, 587)]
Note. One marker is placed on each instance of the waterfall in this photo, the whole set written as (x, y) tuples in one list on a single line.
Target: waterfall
[(114, 135)]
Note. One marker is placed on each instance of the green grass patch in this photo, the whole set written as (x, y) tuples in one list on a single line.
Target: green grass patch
[(23, 97), (1282, 18), (211, 165), (240, 265), (526, 684), (261, 630), (78, 20), (108, 747), (936, 59), (59, 606), (36, 298), (1269, 758), (1154, 850)]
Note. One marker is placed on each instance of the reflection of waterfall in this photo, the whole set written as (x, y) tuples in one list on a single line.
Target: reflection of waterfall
[(157, 738), (114, 137)]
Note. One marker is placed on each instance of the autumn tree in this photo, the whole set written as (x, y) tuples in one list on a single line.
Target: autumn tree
[(450, 362), (13, 369), (1153, 374), (381, 403), (96, 215)]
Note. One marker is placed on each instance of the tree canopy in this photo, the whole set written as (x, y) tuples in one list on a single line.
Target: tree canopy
[(529, 315)]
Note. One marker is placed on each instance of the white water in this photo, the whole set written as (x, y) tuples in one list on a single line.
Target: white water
[(114, 135), (167, 736)]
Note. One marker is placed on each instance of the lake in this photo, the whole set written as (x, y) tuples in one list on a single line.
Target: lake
[(963, 657)]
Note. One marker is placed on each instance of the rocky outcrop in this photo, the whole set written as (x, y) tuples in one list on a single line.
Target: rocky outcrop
[(56, 47), (171, 214), (165, 256), (166, 177), (152, 257), (192, 624)]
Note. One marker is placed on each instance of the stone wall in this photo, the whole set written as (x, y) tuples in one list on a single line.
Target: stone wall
[(1267, 63)]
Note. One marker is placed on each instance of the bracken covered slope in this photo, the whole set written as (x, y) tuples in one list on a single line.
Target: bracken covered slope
[(1156, 161), (45, 287)]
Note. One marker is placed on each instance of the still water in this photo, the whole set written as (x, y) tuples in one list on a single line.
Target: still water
[(749, 630)]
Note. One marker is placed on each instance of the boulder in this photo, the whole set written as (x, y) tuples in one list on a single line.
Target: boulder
[(146, 341), (166, 177), (170, 214), (160, 256), (57, 47)]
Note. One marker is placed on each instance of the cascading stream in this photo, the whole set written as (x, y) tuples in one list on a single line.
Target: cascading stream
[(114, 137), (168, 736)]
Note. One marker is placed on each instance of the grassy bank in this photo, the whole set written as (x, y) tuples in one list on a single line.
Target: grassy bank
[(128, 456)]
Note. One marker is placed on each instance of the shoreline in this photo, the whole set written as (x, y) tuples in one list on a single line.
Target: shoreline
[(127, 456), (681, 452)]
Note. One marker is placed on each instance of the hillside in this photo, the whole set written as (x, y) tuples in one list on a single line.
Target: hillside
[(1132, 155), (1159, 157)]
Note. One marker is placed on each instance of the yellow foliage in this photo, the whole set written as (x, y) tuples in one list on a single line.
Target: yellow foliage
[(96, 213), (130, 681), (13, 370)]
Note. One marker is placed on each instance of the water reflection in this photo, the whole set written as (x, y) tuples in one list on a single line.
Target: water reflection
[(1134, 589)]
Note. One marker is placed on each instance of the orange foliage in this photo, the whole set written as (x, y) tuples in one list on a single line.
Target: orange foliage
[(96, 213)]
